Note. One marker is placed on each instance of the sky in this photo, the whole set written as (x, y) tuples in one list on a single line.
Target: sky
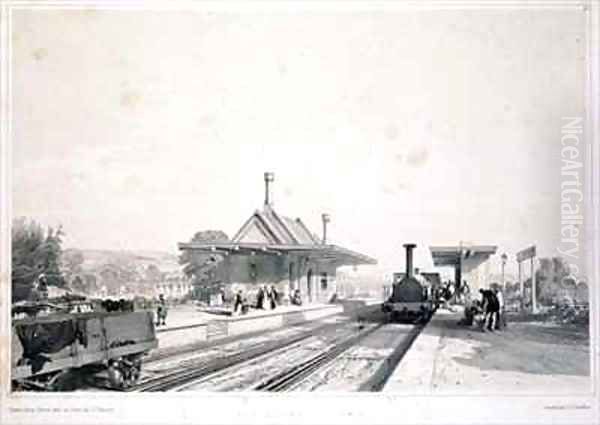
[(135, 129)]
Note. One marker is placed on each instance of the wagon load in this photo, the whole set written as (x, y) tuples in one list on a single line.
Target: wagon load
[(55, 345)]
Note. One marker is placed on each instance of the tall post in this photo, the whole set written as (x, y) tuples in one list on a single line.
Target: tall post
[(521, 285), (269, 178), (504, 258), (533, 285), (326, 218)]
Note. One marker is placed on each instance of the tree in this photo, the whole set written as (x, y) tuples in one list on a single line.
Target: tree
[(550, 279), (582, 292), (71, 262), (90, 283), (153, 273), (34, 252), (78, 285), (198, 265)]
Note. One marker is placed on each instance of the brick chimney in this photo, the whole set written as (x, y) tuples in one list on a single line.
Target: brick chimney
[(326, 219), (269, 178)]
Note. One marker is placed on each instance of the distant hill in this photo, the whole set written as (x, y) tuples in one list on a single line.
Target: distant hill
[(94, 259), (90, 271)]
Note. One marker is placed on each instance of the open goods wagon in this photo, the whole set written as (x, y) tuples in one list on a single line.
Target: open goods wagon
[(59, 351)]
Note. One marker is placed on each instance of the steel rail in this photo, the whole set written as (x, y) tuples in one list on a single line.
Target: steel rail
[(178, 378), (170, 380), (202, 345), (291, 377)]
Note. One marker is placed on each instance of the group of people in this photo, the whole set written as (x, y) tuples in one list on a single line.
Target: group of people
[(488, 311), (268, 294), (449, 291), (266, 297)]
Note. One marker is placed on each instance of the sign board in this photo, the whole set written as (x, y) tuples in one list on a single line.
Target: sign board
[(526, 254)]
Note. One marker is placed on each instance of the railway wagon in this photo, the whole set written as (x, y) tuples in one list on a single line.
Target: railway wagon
[(56, 352), (411, 298)]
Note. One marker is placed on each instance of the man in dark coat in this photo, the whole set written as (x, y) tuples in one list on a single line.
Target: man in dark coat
[(238, 301), (161, 311), (491, 307), (260, 298), (273, 297)]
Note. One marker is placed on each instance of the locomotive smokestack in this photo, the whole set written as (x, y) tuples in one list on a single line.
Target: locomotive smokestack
[(409, 258), (269, 178), (326, 219)]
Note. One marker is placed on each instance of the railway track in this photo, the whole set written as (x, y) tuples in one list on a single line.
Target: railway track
[(163, 354), (287, 379), (171, 380), (178, 378)]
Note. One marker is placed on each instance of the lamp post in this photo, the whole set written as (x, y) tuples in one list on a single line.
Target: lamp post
[(504, 257)]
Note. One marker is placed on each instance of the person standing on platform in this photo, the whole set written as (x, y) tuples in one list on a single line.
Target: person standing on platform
[(273, 297), (238, 301), (296, 298), (161, 311), (490, 307), (260, 297), (269, 297)]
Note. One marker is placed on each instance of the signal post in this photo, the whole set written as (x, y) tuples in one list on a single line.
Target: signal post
[(524, 255)]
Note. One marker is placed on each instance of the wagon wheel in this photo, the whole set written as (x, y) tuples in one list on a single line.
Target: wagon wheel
[(65, 380), (115, 375), (126, 372)]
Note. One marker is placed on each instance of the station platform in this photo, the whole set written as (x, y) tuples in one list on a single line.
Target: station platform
[(526, 358), (189, 325)]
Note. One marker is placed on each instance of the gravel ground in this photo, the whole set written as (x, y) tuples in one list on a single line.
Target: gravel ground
[(357, 365)]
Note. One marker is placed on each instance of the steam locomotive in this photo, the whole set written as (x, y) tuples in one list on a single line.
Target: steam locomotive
[(411, 298)]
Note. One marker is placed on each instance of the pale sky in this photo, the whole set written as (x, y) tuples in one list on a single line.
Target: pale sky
[(136, 129)]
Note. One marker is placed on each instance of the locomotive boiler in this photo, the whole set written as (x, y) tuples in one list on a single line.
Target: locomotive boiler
[(411, 298)]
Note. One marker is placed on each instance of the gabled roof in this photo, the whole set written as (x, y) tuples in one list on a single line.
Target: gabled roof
[(266, 232), (269, 233), (268, 227)]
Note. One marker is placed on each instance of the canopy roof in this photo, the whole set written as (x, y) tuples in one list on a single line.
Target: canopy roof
[(451, 255), (335, 253)]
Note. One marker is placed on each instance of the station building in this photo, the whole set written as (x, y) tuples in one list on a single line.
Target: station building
[(274, 249)]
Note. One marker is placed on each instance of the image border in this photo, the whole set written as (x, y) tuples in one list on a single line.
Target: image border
[(350, 414)]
